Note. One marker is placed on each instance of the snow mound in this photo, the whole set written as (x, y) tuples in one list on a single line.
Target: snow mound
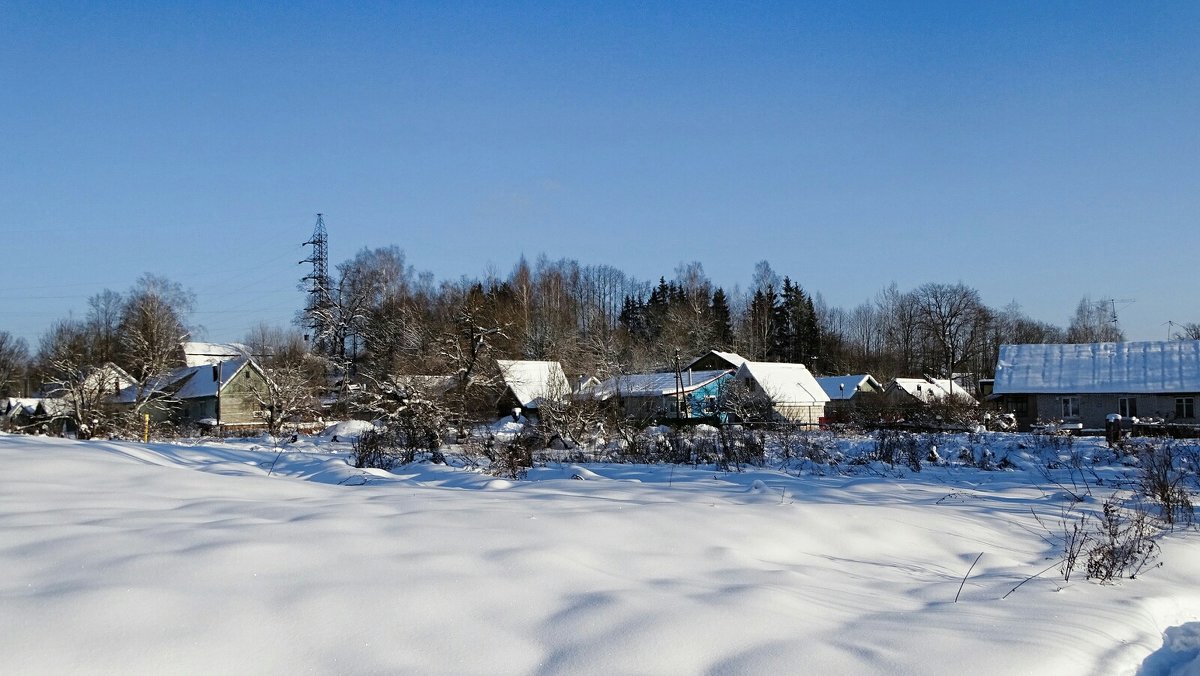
[(347, 430), (583, 473), (1179, 654)]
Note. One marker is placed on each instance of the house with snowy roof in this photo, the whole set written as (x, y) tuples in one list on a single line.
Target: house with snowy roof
[(1084, 383), (716, 360), (196, 353), (225, 393), (917, 392), (18, 414), (529, 384), (847, 393), (688, 395), (791, 391)]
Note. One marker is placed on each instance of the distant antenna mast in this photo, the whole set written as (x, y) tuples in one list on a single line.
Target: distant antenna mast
[(1110, 304), (316, 311)]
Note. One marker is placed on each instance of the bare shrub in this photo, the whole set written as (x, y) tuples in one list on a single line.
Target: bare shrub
[(1122, 544), (739, 446), (378, 449), (895, 447), (1162, 479)]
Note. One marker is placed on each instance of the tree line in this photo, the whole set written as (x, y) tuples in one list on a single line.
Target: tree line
[(381, 318)]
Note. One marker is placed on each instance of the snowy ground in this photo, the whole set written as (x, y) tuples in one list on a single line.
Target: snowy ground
[(169, 558)]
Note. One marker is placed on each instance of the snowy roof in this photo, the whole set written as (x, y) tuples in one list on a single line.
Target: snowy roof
[(845, 387), (733, 358), (204, 381), (199, 354), (193, 382), (784, 383), (533, 381), (14, 406), (930, 390), (654, 384), (1126, 368)]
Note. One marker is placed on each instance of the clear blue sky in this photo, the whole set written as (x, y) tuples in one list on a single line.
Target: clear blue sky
[(1036, 151)]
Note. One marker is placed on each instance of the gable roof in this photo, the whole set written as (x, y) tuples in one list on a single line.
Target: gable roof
[(534, 381), (196, 353), (194, 382), (732, 358), (654, 384), (845, 387), (784, 383), (1146, 367), (930, 390)]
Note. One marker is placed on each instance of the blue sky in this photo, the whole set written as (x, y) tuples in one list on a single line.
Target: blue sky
[(1036, 151)]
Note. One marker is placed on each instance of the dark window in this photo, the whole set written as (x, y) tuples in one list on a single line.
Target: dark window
[(1020, 406), (1127, 406), (1070, 407), (1185, 407)]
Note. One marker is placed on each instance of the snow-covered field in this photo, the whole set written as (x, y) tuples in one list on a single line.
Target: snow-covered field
[(228, 557)]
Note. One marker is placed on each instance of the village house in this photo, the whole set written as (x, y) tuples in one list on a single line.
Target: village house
[(222, 394), (849, 393), (1082, 384), (920, 392), (528, 385), (715, 360), (791, 391), (687, 395)]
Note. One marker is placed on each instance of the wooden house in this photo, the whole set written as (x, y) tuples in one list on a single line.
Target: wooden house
[(1083, 383), (226, 393)]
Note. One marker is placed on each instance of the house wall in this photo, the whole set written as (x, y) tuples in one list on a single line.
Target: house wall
[(800, 413), (1095, 408), (239, 401)]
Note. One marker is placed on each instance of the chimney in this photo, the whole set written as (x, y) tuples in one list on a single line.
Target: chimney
[(217, 372)]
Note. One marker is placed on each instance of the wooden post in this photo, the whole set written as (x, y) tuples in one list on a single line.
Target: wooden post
[(146, 428)]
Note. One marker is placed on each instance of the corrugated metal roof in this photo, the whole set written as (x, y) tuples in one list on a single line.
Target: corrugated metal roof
[(654, 384), (1145, 367)]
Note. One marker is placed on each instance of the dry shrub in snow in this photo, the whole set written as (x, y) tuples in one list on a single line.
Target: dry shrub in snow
[(1122, 544), (1162, 479), (894, 447)]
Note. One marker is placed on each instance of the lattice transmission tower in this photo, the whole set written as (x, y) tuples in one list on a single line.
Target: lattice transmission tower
[(318, 311)]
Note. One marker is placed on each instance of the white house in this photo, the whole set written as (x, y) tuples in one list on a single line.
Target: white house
[(530, 384), (793, 392)]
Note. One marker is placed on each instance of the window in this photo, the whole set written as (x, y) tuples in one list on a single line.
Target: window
[(1127, 407), (1070, 407), (1185, 407), (1020, 407)]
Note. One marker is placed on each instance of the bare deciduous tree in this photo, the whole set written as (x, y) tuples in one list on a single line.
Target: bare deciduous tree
[(1093, 323), (152, 330), (14, 357)]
